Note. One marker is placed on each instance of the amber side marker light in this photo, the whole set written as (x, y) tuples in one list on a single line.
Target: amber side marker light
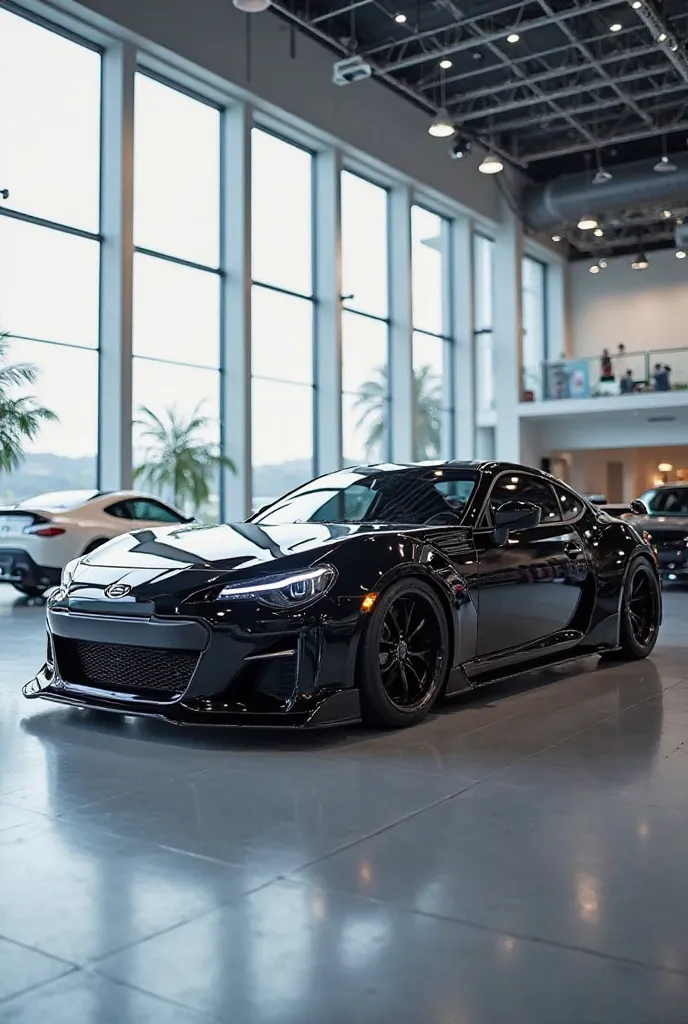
[(368, 602)]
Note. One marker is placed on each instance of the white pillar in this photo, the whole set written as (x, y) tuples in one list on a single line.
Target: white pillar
[(460, 303), (116, 268), (328, 312), (555, 310), (401, 326), (507, 336), (235, 341)]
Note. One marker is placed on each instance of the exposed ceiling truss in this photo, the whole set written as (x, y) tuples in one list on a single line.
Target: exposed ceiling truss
[(567, 85)]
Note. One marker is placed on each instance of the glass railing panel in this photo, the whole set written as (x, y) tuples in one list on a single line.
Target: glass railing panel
[(631, 373)]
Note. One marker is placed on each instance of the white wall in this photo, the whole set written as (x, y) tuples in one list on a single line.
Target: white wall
[(367, 115), (642, 310), (588, 469)]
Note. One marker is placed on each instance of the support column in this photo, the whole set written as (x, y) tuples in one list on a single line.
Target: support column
[(235, 339), (460, 302), (116, 267), (401, 327), (328, 312), (507, 336)]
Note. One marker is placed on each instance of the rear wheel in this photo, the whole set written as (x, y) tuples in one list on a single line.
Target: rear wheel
[(640, 612), (404, 657)]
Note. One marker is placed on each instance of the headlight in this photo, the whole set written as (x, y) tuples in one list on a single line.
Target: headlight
[(288, 590), (68, 572)]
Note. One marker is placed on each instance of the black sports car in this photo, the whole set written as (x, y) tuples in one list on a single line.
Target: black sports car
[(366, 594)]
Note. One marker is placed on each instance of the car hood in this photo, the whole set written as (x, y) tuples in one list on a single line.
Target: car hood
[(659, 524), (217, 548)]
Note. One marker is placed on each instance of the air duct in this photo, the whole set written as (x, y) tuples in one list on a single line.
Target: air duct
[(634, 185)]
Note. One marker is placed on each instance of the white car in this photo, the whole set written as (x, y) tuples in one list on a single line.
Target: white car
[(39, 536)]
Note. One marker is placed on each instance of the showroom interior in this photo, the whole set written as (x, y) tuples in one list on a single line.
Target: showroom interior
[(296, 237)]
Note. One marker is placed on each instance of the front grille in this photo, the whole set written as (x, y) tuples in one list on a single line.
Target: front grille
[(144, 671), (673, 539)]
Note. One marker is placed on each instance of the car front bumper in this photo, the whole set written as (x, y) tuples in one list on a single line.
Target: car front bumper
[(187, 673)]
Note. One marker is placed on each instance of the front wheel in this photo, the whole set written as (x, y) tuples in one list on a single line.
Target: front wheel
[(404, 657), (640, 612), (30, 591)]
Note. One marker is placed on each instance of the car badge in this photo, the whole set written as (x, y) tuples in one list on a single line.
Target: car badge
[(116, 590)]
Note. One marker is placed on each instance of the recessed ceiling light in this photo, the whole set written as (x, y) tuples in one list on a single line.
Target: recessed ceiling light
[(662, 37), (636, 5), (616, 27), (666, 214), (400, 18), (598, 232), (513, 37), (556, 238), (680, 254), (446, 63), (587, 223)]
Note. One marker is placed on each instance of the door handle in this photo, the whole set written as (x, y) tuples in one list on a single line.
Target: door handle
[(573, 550)]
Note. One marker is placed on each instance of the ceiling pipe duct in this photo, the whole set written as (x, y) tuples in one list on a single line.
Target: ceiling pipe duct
[(567, 199)]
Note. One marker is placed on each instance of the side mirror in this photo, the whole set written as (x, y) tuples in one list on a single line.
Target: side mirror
[(638, 507), (515, 515)]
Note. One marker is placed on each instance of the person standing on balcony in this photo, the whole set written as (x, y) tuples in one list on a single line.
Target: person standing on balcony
[(661, 377), (606, 370), (621, 366)]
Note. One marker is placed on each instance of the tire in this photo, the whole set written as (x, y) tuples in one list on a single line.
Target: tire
[(400, 680), (30, 591), (640, 612)]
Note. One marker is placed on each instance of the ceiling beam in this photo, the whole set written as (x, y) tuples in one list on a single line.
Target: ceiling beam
[(611, 140)]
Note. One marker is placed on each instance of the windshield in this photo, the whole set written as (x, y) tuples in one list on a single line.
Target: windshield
[(667, 501), (409, 497), (58, 501)]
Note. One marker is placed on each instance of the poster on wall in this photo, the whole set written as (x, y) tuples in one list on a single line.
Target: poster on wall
[(569, 378)]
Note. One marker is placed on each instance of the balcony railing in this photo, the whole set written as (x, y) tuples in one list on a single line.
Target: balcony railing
[(656, 370)]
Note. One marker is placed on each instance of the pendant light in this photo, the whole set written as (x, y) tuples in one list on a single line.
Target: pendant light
[(252, 6), (641, 262), (442, 126), (587, 223), (664, 165), (491, 164)]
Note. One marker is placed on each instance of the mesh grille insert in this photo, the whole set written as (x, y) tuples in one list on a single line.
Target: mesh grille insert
[(144, 671)]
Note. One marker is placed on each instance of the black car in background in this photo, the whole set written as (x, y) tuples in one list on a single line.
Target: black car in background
[(667, 524), (364, 594)]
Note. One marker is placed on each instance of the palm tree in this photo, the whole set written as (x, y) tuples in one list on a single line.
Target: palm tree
[(177, 461), (371, 402), (20, 417)]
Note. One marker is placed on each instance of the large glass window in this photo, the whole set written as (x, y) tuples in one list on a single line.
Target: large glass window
[(49, 271), (365, 328), (432, 341), (282, 316), (176, 323), (533, 313), (483, 312)]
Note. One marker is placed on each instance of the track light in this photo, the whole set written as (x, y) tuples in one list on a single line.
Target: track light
[(460, 148), (400, 19), (513, 37), (252, 6), (587, 223), (442, 126), (662, 37), (598, 233), (680, 254), (640, 262), (491, 164), (445, 64)]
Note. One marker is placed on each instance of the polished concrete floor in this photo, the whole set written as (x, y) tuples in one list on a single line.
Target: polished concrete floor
[(520, 858)]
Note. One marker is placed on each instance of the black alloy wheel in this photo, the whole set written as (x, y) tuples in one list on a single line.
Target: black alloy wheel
[(640, 615), (405, 655)]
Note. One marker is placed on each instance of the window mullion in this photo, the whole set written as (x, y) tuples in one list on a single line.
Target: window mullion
[(401, 330)]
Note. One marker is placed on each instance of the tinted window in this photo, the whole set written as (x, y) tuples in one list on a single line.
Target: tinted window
[(521, 487), (668, 501), (119, 510), (571, 505), (401, 498), (152, 512)]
